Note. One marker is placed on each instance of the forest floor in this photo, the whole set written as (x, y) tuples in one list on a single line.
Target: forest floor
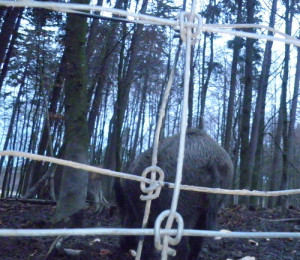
[(16, 214)]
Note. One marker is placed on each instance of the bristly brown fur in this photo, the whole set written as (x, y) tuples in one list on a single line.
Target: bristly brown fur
[(206, 163)]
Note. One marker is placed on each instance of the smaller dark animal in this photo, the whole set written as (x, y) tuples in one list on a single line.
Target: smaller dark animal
[(206, 163)]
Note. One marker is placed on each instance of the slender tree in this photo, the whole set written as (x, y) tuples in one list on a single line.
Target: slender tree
[(7, 30), (10, 49), (103, 70), (211, 14), (278, 171), (260, 102), (237, 45), (112, 156), (38, 168), (247, 99), (291, 129), (10, 131)]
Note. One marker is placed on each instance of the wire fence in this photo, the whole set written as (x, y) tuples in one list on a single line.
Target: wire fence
[(132, 177), (190, 25)]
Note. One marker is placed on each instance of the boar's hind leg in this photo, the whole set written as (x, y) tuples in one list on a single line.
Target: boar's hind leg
[(195, 243), (214, 199), (207, 218)]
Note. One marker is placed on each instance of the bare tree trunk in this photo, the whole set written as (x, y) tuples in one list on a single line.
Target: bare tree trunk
[(230, 109), (74, 182), (7, 30), (8, 175), (290, 140), (245, 181), (260, 103), (11, 125), (38, 168), (103, 72), (236, 149), (206, 81), (112, 155), (224, 112), (191, 89), (278, 171), (91, 41), (10, 50), (138, 123)]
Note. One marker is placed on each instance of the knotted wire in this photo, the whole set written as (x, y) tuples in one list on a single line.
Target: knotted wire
[(156, 144), (189, 37), (148, 19)]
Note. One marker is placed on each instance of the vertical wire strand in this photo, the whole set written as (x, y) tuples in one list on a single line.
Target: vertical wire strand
[(156, 143), (183, 128)]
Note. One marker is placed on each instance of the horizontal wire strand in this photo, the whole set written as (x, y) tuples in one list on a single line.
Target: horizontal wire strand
[(147, 19), (140, 179), (141, 232)]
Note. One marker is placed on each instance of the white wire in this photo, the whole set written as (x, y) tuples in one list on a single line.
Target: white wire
[(155, 149), (140, 179), (184, 118), (141, 232), (147, 19)]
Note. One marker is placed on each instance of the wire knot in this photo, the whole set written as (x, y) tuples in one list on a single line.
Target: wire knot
[(170, 240), (190, 17), (155, 185)]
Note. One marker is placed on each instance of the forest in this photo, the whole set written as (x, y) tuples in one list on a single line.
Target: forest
[(87, 87), (243, 92)]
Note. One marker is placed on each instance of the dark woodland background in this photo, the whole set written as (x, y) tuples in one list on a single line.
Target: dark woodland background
[(89, 90)]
